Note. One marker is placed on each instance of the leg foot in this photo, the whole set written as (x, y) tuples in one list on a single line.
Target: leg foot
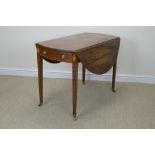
[(40, 104), (75, 117), (113, 90)]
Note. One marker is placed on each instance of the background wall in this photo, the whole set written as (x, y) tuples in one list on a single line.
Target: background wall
[(136, 56)]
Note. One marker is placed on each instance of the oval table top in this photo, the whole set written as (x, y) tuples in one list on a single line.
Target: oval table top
[(77, 42)]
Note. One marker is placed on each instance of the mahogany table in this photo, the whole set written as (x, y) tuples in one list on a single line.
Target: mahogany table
[(97, 53)]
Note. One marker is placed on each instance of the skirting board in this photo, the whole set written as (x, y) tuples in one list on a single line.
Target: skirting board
[(89, 76)]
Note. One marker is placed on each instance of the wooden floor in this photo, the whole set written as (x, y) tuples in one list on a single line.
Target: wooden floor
[(132, 106)]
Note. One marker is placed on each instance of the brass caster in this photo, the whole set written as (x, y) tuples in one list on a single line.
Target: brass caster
[(114, 90), (75, 117), (39, 105)]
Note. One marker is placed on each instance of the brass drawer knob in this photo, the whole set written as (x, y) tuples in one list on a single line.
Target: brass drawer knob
[(44, 52), (63, 56)]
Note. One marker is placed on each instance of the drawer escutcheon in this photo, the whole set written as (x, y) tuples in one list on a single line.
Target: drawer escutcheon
[(44, 52), (63, 56)]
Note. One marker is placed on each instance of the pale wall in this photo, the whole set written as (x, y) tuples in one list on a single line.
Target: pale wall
[(136, 56)]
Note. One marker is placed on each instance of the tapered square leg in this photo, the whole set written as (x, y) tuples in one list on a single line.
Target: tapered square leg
[(83, 74), (114, 77), (74, 83), (40, 77)]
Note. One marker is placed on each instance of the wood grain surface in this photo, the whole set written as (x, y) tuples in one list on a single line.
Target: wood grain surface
[(97, 52)]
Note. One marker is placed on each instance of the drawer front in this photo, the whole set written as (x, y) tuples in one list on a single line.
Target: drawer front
[(56, 55)]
